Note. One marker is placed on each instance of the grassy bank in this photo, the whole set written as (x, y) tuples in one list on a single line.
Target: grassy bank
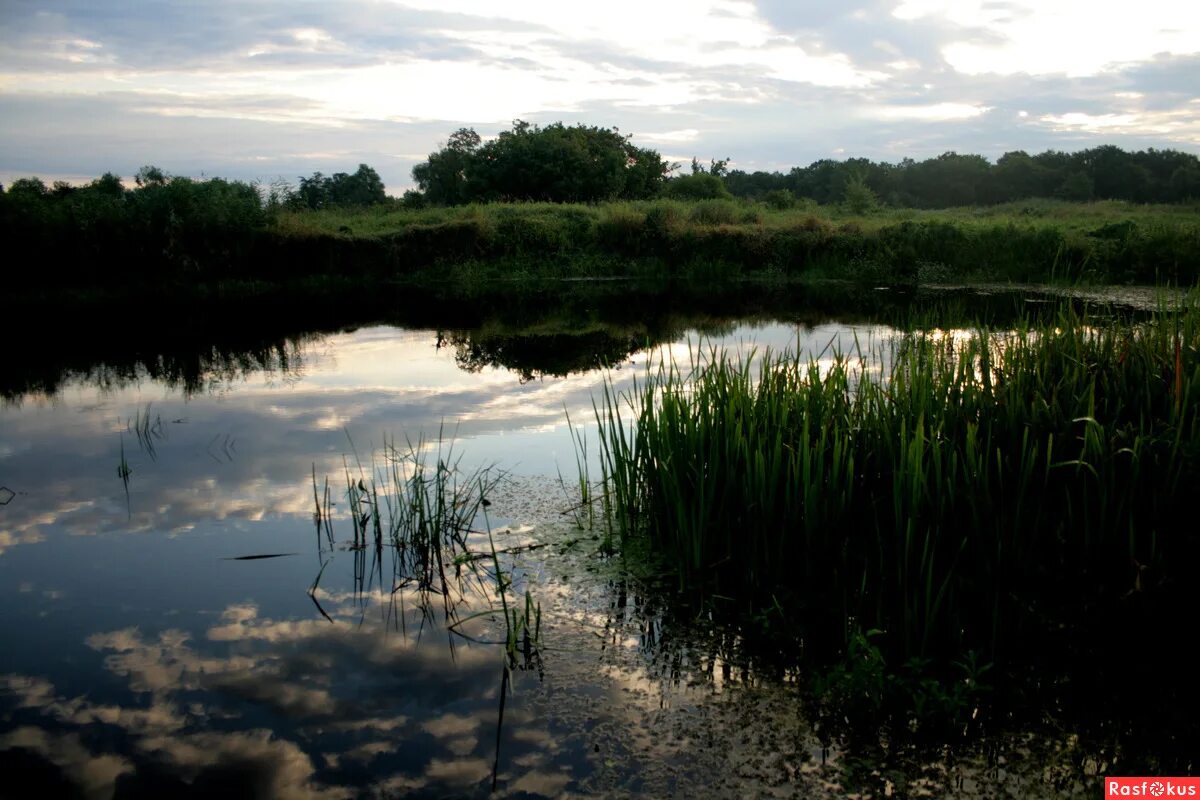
[(1033, 241), (187, 236), (1021, 498)]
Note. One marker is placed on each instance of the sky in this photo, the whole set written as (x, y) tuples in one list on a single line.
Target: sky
[(262, 90)]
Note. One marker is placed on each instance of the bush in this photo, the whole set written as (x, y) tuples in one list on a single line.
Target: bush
[(665, 218), (412, 199), (698, 186), (714, 212), (780, 199), (532, 233), (621, 229)]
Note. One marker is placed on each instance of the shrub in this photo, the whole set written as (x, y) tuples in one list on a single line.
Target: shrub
[(665, 218), (780, 199), (714, 212), (621, 229), (698, 186)]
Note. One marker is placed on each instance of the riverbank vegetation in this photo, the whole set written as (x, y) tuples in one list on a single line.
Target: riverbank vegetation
[(184, 233), (582, 202), (1015, 502), (1033, 241)]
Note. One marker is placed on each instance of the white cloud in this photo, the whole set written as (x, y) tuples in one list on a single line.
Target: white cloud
[(1075, 119), (1179, 125), (670, 137), (1073, 37), (937, 112)]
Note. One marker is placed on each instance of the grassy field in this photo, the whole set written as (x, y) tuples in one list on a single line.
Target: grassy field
[(1030, 241), (1075, 217)]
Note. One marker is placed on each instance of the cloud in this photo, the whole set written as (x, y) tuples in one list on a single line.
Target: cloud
[(938, 112), (259, 89), (95, 774), (1071, 37), (671, 137)]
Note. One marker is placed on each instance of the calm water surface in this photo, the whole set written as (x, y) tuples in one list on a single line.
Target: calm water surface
[(144, 655)]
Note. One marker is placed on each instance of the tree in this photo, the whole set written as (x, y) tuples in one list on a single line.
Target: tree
[(313, 192), (150, 176), (1185, 183), (858, 196), (363, 188), (557, 163), (948, 180), (645, 171), (1016, 176), (554, 164), (718, 167), (755, 184), (341, 190), (108, 185), (444, 177), (1116, 174), (1076, 187), (27, 187)]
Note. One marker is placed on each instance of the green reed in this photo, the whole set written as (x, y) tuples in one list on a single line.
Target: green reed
[(954, 492), (419, 503)]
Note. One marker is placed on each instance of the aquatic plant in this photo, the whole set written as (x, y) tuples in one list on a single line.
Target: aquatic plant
[(972, 492), (123, 472), (419, 504), (148, 430)]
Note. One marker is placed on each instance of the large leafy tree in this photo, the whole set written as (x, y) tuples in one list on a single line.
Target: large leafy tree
[(445, 175), (557, 163), (363, 187)]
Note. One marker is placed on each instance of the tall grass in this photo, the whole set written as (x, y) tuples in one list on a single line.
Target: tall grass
[(957, 493), (666, 236)]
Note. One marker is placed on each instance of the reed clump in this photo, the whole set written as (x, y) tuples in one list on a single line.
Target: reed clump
[(418, 502), (959, 492)]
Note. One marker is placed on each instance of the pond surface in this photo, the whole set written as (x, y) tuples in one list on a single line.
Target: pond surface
[(150, 649)]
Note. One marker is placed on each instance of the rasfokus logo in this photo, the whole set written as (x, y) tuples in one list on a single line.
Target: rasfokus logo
[(1151, 787)]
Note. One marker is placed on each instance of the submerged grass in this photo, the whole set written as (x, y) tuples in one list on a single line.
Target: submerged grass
[(963, 495)]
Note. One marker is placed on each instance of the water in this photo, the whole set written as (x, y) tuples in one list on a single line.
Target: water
[(145, 655)]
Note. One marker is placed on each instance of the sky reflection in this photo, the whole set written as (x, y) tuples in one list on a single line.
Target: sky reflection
[(151, 663), (246, 453)]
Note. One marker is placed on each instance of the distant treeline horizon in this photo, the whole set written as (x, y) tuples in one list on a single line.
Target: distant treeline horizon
[(952, 179), (558, 163), (588, 164)]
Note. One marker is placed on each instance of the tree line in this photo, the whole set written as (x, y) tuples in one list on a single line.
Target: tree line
[(952, 179), (589, 164)]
